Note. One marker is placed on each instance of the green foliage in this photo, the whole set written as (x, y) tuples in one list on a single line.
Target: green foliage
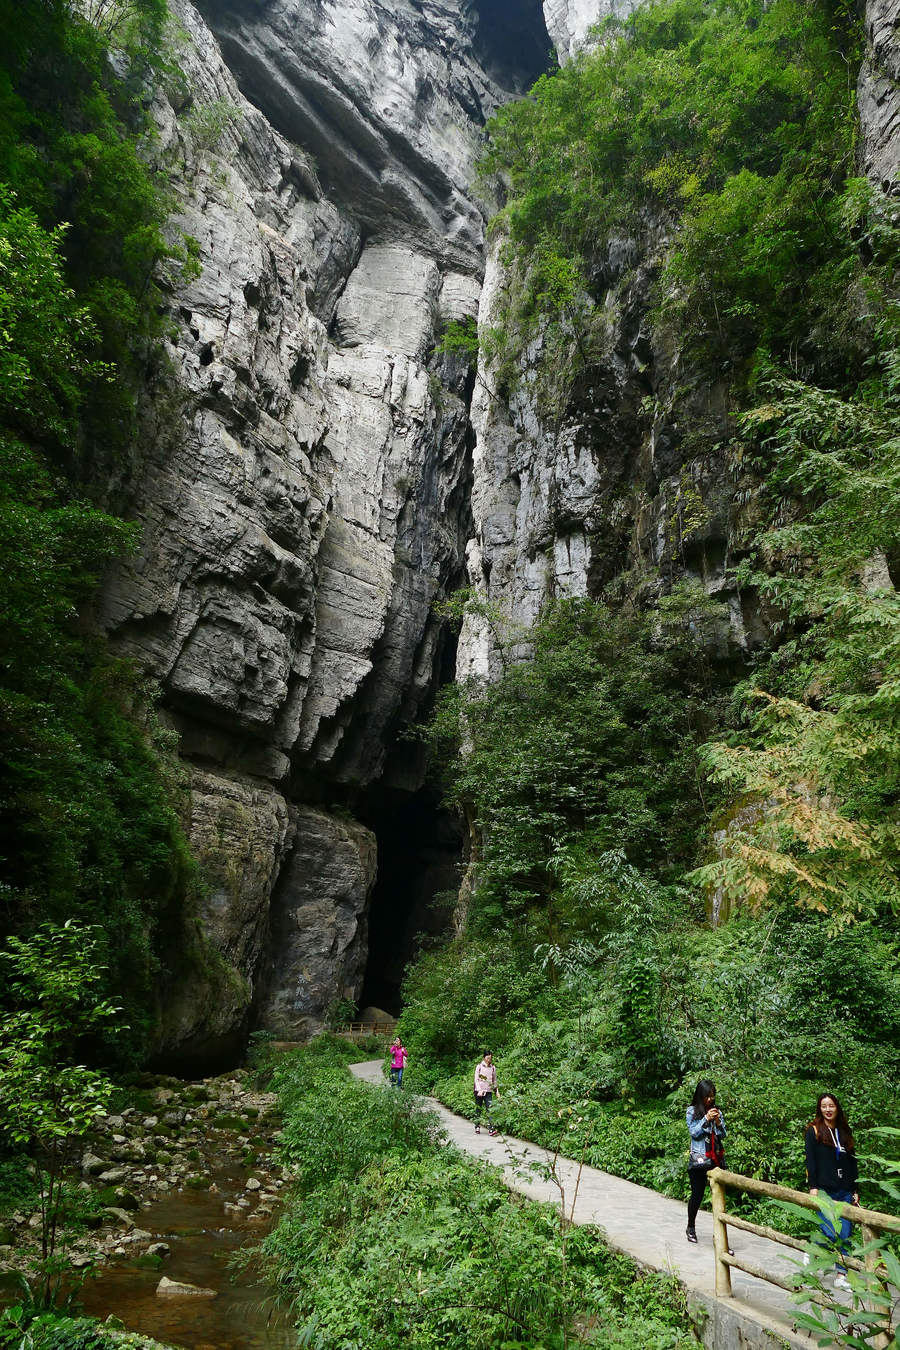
[(460, 339), (53, 985), (815, 775), (400, 1241), (206, 125), (47, 341), (339, 1012), (869, 1317), (468, 997), (21, 1328), (734, 123), (70, 151), (355, 1127), (597, 733), (774, 1011), (89, 805), (725, 129), (91, 825), (17, 1183)]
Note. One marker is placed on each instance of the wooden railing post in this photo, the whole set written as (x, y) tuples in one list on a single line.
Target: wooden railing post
[(871, 1221), (873, 1270), (720, 1236)]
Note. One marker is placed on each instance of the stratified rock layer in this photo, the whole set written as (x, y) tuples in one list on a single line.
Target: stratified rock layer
[(878, 93), (312, 480), (303, 494)]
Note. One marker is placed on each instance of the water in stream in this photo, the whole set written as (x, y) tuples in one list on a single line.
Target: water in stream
[(202, 1238)]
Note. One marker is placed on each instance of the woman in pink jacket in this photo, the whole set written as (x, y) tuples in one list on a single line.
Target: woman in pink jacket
[(398, 1061)]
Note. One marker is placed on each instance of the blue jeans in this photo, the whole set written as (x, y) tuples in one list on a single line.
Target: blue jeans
[(397, 1077), (828, 1231)]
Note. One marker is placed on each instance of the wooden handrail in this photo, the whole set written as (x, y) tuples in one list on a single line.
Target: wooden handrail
[(887, 1223), (369, 1029), (872, 1222)]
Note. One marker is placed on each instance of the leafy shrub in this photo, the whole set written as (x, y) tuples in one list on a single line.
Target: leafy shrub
[(333, 1129), (468, 997), (733, 123), (392, 1238), (48, 1331), (594, 739), (18, 1185)]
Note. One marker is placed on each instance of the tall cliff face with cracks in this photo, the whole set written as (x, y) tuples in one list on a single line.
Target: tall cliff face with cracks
[(314, 476), (878, 95), (621, 470), (305, 482)]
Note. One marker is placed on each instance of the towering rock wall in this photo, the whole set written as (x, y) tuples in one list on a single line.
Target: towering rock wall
[(878, 95), (305, 475), (619, 471), (313, 477)]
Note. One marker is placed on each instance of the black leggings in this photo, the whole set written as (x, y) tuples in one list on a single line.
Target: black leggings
[(698, 1176)]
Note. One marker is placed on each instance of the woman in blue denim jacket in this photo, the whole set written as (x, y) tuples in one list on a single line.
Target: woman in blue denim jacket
[(706, 1126)]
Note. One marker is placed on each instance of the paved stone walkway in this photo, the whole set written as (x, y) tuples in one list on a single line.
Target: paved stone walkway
[(647, 1226)]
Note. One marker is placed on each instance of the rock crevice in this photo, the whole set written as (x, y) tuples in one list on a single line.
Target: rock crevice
[(313, 475)]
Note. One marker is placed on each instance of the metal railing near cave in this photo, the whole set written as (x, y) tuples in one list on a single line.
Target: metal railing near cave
[(872, 1222)]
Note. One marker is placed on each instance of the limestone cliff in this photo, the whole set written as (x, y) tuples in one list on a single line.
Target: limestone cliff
[(878, 95), (313, 476), (305, 476)]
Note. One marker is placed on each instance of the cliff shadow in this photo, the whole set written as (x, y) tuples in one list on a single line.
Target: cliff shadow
[(420, 847)]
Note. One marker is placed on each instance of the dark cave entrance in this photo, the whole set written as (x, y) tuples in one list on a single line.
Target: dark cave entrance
[(512, 42), (420, 848)]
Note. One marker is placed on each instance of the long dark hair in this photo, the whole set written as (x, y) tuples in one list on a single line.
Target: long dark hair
[(841, 1124), (705, 1088)]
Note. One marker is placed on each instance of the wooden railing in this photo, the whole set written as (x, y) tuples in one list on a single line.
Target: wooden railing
[(871, 1221), (368, 1029)]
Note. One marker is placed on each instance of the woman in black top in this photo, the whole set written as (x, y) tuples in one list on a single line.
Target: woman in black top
[(831, 1165)]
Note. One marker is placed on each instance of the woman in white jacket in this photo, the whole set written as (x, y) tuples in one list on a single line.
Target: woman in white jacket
[(485, 1089)]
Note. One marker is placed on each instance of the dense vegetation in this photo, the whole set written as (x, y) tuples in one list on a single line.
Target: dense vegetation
[(730, 125), (626, 785), (88, 804), (390, 1237), (592, 739)]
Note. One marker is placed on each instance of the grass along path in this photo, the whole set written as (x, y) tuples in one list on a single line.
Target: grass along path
[(637, 1221)]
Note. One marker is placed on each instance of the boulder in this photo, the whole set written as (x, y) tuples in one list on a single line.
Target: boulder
[(318, 922), (92, 1165), (370, 1014), (126, 1199), (120, 1217), (176, 1289)]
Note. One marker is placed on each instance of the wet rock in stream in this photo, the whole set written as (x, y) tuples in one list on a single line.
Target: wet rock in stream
[(217, 1137), (177, 1289)]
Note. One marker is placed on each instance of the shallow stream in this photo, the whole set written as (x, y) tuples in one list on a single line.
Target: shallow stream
[(202, 1238)]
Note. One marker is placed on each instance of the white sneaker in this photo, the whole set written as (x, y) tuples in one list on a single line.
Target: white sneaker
[(841, 1281), (806, 1258)]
